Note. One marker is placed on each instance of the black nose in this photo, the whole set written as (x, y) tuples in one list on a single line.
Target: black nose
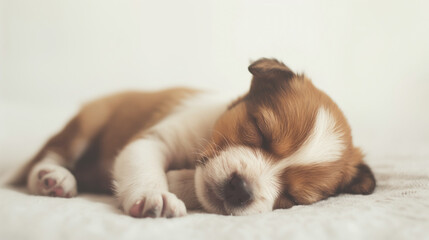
[(237, 191)]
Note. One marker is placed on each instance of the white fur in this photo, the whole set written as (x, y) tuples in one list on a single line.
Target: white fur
[(250, 164), (139, 174), (187, 130), (77, 148), (51, 163), (325, 143), (53, 158), (139, 169)]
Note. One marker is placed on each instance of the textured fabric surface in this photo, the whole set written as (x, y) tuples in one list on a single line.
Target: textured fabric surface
[(398, 209)]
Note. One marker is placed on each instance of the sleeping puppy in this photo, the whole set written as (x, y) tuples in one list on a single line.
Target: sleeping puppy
[(283, 143)]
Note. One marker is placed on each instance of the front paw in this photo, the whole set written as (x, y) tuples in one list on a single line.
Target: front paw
[(156, 204)]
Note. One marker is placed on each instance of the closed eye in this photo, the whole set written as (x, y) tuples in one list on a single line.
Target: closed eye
[(265, 143)]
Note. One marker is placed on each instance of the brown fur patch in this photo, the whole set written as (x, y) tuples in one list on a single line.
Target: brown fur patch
[(363, 182), (309, 184)]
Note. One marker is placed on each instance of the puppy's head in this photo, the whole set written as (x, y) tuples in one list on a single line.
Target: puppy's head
[(282, 144)]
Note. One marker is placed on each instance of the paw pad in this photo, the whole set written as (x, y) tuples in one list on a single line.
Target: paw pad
[(154, 205), (52, 180)]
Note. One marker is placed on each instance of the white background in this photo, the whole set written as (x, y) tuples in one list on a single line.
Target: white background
[(370, 56)]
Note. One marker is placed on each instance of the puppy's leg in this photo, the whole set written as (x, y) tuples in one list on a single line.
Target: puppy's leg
[(48, 172), (141, 183), (182, 183)]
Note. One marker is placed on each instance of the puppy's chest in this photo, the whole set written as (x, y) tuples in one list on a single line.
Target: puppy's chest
[(186, 131)]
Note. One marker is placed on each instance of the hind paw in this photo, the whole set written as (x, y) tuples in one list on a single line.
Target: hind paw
[(52, 180)]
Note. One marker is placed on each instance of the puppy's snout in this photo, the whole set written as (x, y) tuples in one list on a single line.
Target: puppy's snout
[(237, 191)]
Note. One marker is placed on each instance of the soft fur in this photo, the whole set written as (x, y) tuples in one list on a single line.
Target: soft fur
[(285, 140)]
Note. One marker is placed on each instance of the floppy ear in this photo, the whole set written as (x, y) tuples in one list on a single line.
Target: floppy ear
[(363, 182), (268, 75), (269, 68)]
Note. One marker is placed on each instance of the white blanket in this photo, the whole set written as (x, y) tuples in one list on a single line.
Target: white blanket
[(398, 209)]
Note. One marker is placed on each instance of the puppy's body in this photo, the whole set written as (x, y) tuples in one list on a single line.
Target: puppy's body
[(283, 143)]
